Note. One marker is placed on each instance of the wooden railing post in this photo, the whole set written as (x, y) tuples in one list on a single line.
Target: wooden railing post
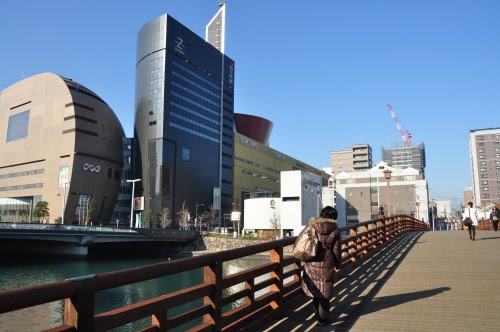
[(79, 310), (352, 245), (213, 275), (364, 239), (276, 256)]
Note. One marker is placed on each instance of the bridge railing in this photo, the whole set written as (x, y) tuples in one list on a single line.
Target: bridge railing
[(279, 280)]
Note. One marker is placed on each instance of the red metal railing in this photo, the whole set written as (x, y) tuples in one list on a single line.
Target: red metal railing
[(282, 281)]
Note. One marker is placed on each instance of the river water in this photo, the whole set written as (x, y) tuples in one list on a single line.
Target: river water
[(17, 272)]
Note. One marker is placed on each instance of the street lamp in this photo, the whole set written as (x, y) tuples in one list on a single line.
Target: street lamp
[(418, 210), (132, 201), (387, 176), (64, 203), (196, 215)]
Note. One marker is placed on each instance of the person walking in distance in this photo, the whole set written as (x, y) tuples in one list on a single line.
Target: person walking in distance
[(318, 277), (494, 217), (471, 213)]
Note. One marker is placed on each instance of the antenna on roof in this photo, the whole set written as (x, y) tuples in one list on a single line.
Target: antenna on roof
[(221, 4)]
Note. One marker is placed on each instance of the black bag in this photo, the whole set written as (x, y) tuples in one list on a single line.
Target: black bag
[(467, 221)]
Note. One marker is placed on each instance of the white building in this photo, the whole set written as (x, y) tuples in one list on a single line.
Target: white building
[(443, 209), (300, 201), (360, 194)]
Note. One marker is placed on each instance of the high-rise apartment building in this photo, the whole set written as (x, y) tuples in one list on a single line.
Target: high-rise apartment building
[(356, 158), (484, 147), (183, 119), (403, 157)]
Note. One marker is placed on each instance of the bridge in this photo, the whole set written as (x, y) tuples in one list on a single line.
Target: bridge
[(395, 276), (79, 241)]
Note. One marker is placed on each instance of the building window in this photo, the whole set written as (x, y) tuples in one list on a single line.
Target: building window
[(18, 126), (482, 156), (481, 150), (63, 175), (485, 182), (485, 189), (484, 176), (480, 144), (486, 195), (482, 169), (186, 154), (480, 138), (482, 163)]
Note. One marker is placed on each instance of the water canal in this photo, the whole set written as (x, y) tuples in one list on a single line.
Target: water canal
[(16, 272)]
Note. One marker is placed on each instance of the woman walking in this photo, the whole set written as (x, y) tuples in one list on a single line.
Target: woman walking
[(494, 217), (318, 277), (471, 213)]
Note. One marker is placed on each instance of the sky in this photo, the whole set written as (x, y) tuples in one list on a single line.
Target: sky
[(322, 71)]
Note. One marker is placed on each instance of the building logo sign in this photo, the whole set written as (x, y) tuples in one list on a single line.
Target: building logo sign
[(180, 45), (87, 167), (248, 142)]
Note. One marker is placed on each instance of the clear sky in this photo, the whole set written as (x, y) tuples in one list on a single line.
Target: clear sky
[(322, 71)]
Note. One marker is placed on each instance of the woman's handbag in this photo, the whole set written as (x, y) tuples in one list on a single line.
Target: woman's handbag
[(467, 221), (306, 245)]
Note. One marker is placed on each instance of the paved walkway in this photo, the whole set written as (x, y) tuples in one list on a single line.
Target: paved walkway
[(433, 281)]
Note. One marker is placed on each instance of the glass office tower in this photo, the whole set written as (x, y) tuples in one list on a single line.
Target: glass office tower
[(183, 119)]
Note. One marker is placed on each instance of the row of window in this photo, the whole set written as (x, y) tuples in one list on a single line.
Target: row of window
[(193, 132), (261, 176), (487, 195), (157, 60), (155, 91), (183, 118), (201, 78), (199, 86), (180, 107), (22, 187), (256, 164), (24, 173), (481, 137), (192, 102), (194, 93), (157, 70), (156, 80)]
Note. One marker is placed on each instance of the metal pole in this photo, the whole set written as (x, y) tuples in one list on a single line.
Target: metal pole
[(64, 205), (388, 198), (132, 205)]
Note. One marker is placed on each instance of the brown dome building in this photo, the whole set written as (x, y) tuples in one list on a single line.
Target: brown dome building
[(61, 144)]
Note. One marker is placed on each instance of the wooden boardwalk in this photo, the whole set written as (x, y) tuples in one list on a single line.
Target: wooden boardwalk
[(433, 281)]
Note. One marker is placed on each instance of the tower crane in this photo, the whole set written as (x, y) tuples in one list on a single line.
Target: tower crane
[(405, 134)]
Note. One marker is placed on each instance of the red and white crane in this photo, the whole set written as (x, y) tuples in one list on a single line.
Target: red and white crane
[(405, 134)]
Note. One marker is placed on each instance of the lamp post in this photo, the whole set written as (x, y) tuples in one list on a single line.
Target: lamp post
[(418, 210), (196, 215), (387, 176), (132, 201), (64, 203)]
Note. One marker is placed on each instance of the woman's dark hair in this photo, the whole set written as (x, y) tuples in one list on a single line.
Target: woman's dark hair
[(328, 212), (469, 204)]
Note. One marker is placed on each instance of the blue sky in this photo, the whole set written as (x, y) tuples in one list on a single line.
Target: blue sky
[(322, 71)]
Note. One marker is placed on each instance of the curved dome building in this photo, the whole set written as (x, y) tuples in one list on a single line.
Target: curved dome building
[(61, 143), (254, 127)]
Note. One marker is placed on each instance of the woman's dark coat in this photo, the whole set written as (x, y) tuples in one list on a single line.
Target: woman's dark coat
[(318, 277)]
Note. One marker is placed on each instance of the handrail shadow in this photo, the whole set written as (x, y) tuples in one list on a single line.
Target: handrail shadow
[(356, 291)]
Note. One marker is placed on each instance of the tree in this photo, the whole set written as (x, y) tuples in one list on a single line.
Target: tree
[(276, 223), (210, 216), (183, 217), (148, 219), (41, 211), (165, 219)]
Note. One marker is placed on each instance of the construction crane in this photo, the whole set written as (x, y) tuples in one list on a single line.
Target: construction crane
[(405, 134)]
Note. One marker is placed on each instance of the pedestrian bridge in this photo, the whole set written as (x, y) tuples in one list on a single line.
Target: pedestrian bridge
[(425, 281), (396, 276)]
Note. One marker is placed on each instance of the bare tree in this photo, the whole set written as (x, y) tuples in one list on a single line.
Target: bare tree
[(183, 217), (210, 216), (165, 219), (276, 223)]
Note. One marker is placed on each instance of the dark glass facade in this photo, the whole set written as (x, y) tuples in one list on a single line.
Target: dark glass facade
[(184, 118)]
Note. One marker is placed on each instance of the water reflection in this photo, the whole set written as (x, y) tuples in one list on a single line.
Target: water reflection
[(18, 272)]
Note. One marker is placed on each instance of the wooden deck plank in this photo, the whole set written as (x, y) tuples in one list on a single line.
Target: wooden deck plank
[(420, 282)]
